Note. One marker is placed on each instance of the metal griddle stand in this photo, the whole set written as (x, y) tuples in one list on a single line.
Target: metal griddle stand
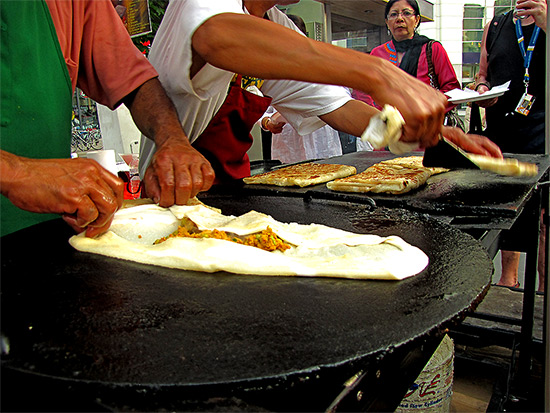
[(370, 386), (519, 217), (517, 214), (523, 236)]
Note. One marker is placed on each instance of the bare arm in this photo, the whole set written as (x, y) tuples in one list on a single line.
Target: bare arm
[(482, 84), (483, 62), (177, 171), (86, 194), (352, 118), (218, 42)]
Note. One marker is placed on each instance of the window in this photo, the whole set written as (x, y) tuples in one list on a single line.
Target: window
[(356, 42), (503, 6), (469, 72), (472, 33)]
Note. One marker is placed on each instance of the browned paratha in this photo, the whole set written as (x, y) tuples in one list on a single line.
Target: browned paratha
[(394, 176), (304, 174)]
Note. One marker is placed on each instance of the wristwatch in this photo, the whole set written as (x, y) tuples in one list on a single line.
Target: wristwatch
[(482, 84)]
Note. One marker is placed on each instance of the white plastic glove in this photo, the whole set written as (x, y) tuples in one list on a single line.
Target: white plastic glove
[(385, 130)]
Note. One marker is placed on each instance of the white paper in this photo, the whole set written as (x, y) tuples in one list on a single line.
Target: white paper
[(468, 95), (107, 159)]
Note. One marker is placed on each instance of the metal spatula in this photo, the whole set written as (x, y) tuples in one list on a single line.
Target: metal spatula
[(447, 155)]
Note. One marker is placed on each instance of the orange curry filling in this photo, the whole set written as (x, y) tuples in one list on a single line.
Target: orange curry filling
[(266, 240)]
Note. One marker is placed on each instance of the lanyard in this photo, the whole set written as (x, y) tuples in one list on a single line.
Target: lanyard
[(527, 55)]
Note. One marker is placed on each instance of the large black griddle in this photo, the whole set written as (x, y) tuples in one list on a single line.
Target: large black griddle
[(459, 192), (106, 326)]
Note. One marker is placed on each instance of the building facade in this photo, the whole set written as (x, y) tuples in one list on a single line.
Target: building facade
[(458, 25), (359, 24)]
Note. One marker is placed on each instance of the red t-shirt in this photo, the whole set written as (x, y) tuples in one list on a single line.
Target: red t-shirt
[(98, 51)]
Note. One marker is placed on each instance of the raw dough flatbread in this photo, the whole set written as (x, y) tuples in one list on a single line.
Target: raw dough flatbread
[(394, 176), (317, 250), (504, 166), (304, 174)]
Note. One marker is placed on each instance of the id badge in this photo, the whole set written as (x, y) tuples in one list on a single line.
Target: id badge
[(525, 104)]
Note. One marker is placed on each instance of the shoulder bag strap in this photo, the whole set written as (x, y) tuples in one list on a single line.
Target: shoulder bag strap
[(495, 28), (431, 70)]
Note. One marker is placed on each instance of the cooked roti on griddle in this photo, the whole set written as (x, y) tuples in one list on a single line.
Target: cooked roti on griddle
[(304, 174), (394, 176)]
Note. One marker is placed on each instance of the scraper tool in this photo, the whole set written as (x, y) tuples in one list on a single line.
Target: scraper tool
[(447, 155)]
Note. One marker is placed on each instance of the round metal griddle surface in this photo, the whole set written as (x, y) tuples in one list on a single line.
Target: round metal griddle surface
[(86, 317)]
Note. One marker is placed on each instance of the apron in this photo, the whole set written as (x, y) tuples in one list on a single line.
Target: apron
[(36, 95), (227, 138)]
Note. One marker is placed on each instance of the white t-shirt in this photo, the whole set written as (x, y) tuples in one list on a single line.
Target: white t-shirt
[(289, 147), (197, 100)]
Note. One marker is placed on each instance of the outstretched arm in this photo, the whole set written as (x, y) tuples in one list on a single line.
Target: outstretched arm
[(352, 118), (218, 41)]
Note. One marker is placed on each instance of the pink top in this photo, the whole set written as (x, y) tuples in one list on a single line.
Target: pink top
[(443, 68), (100, 56)]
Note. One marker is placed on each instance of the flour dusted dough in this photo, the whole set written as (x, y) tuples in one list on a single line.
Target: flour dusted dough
[(504, 166), (318, 250)]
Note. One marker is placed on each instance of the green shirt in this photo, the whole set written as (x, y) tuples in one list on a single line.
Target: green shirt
[(36, 95)]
